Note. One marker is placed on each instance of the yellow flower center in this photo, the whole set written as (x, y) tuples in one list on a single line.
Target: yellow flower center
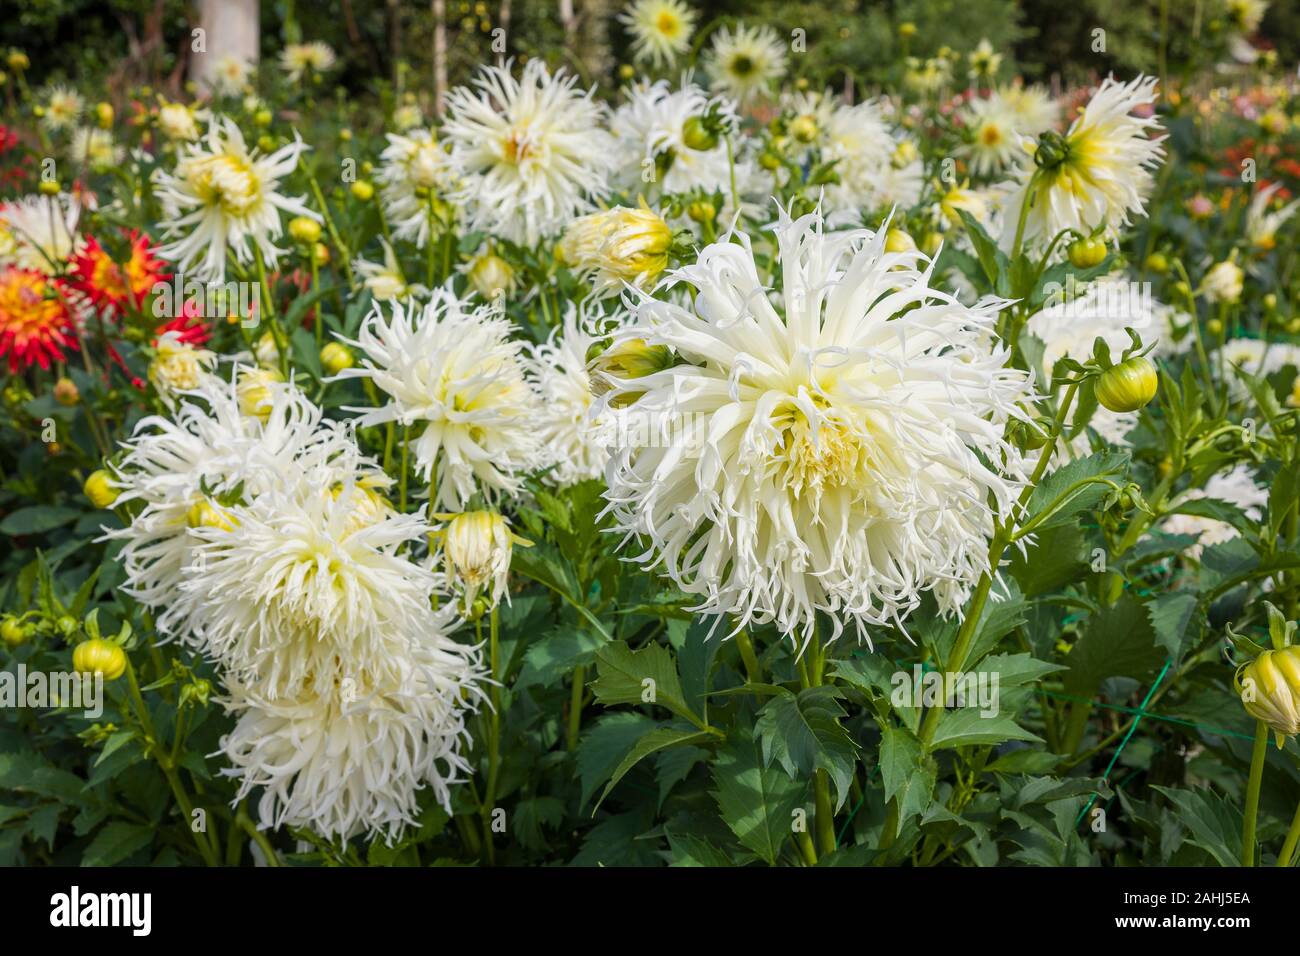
[(832, 456), (227, 181), (668, 23)]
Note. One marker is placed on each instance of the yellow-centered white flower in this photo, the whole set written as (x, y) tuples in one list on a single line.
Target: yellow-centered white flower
[(836, 449), (179, 367), (745, 61), (221, 196), (661, 29), (415, 173), (296, 59), (457, 378), (530, 153), (1104, 176), (350, 757)]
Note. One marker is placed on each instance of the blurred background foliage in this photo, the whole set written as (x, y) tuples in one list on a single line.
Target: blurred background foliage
[(389, 42)]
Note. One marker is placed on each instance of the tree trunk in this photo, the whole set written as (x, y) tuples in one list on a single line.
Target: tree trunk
[(439, 56), (230, 28)]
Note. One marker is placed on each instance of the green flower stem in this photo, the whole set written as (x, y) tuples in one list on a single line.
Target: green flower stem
[(746, 646), (825, 812), (1292, 838), (1257, 756), (806, 849), (1076, 726), (575, 708), (329, 221), (205, 842), (277, 331), (494, 727), (1024, 214), (1002, 536), (246, 824), (319, 324)]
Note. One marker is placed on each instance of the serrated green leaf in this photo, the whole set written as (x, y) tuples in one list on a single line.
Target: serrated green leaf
[(968, 726), (604, 746), (803, 733), (756, 801), (1171, 614), (654, 741), (647, 676), (115, 842)]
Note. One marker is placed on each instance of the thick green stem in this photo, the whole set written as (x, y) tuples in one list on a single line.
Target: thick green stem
[(257, 836), (575, 708), (1076, 726), (203, 841), (1252, 794), (825, 812), (746, 647), (1292, 838), (494, 729)]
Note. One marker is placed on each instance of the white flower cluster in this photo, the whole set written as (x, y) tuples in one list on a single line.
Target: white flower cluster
[(264, 541)]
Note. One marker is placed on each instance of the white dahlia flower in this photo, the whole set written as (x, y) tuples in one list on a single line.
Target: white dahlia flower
[(297, 59), (179, 122), (836, 449), (576, 432), (529, 154), (745, 61), (414, 174), (994, 139), (96, 149), (311, 571), (655, 153), (63, 107), (231, 74), (179, 466), (351, 758), (41, 231), (876, 171), (455, 374), (221, 195), (661, 29), (1032, 106), (179, 367), (1103, 173)]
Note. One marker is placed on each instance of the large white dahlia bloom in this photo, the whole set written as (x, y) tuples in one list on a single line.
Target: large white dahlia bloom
[(310, 576), (178, 466), (530, 154), (351, 758), (456, 371), (836, 448), (1104, 172), (221, 196)]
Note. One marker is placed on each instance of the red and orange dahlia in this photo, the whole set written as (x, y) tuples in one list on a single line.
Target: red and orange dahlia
[(35, 325), (107, 284)]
